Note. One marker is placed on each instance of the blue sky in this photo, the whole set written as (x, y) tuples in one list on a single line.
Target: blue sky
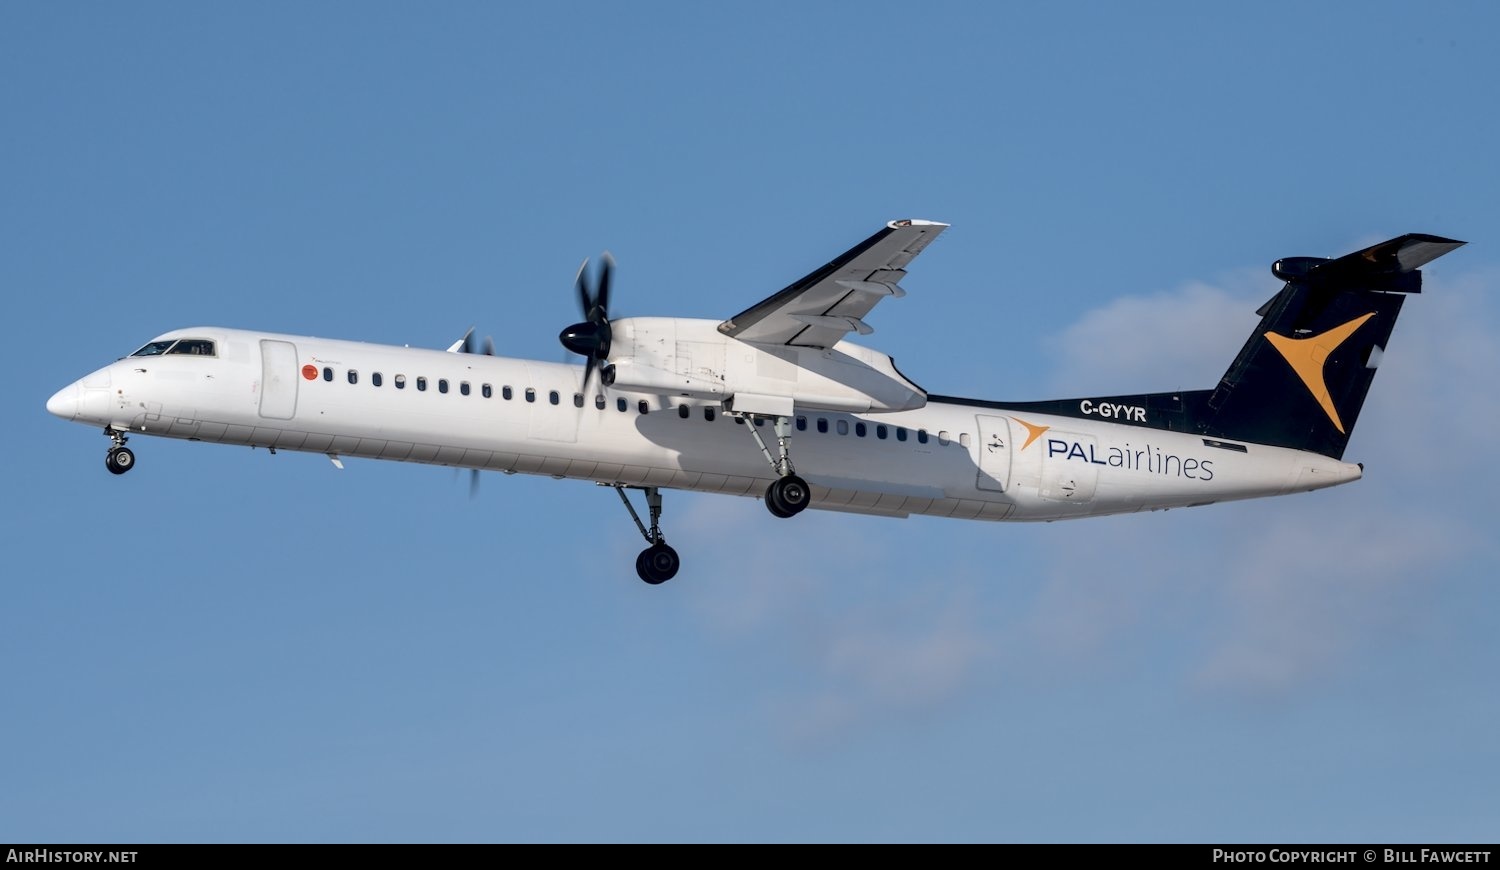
[(230, 646)]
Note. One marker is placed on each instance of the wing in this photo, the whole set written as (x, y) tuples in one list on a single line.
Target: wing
[(822, 308)]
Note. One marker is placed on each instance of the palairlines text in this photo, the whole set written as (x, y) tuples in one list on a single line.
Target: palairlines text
[(1146, 458)]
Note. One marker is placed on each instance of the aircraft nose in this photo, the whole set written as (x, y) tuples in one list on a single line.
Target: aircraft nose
[(64, 403)]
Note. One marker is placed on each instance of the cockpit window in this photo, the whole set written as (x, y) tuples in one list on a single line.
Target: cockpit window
[(187, 346), (193, 347), (155, 348)]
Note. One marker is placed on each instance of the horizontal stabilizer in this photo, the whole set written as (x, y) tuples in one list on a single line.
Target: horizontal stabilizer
[(1398, 256)]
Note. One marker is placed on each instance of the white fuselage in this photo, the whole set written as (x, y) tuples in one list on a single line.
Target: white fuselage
[(522, 416)]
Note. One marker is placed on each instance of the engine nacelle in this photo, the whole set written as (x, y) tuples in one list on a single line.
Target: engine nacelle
[(691, 358)]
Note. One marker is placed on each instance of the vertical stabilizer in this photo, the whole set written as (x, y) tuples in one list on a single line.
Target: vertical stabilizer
[(1303, 375)]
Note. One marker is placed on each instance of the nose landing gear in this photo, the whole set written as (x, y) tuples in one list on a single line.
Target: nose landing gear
[(119, 459)]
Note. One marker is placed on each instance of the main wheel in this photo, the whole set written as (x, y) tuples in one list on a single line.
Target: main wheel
[(119, 460), (657, 563), (788, 496), (773, 502)]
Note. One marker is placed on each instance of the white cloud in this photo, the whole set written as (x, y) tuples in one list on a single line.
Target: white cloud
[(827, 599), (1285, 593), (1433, 404), (1315, 588), (1264, 599), (1177, 339)]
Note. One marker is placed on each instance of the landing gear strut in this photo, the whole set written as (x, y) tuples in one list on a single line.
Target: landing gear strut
[(119, 459), (788, 495), (657, 563)]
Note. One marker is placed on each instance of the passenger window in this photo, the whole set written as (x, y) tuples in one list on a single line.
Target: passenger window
[(578, 400), (963, 439), (760, 421), (442, 385), (553, 397), (921, 436), (900, 434), (400, 382), (376, 379), (842, 426), (943, 438), (327, 373), (463, 388), (708, 413), (684, 411), (801, 424), (193, 347), (823, 425), (507, 393), (421, 383), (530, 394), (486, 390), (622, 405), (880, 432), (643, 407), (739, 420), (353, 376), (599, 401), (859, 429)]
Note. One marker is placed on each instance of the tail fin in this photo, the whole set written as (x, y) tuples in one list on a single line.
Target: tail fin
[(1302, 377)]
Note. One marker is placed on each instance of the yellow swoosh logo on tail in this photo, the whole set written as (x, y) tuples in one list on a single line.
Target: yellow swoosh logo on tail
[(1308, 355)]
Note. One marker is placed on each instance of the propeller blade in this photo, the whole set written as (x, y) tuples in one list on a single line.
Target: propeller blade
[(473, 482), (489, 346), (585, 304), (588, 373), (469, 341), (601, 293)]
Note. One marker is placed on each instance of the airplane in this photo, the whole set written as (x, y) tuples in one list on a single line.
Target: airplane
[(689, 404)]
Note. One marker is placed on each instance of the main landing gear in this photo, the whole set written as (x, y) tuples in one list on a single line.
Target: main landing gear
[(119, 459), (788, 495), (657, 563)]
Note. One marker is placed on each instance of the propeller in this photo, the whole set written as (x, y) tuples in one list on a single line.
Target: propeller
[(468, 343), (473, 481), (591, 337), (488, 350)]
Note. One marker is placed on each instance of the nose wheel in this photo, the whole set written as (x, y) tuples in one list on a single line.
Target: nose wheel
[(119, 458)]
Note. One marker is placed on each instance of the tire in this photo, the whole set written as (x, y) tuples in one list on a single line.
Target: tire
[(773, 502), (119, 460), (788, 496), (795, 494), (657, 564)]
